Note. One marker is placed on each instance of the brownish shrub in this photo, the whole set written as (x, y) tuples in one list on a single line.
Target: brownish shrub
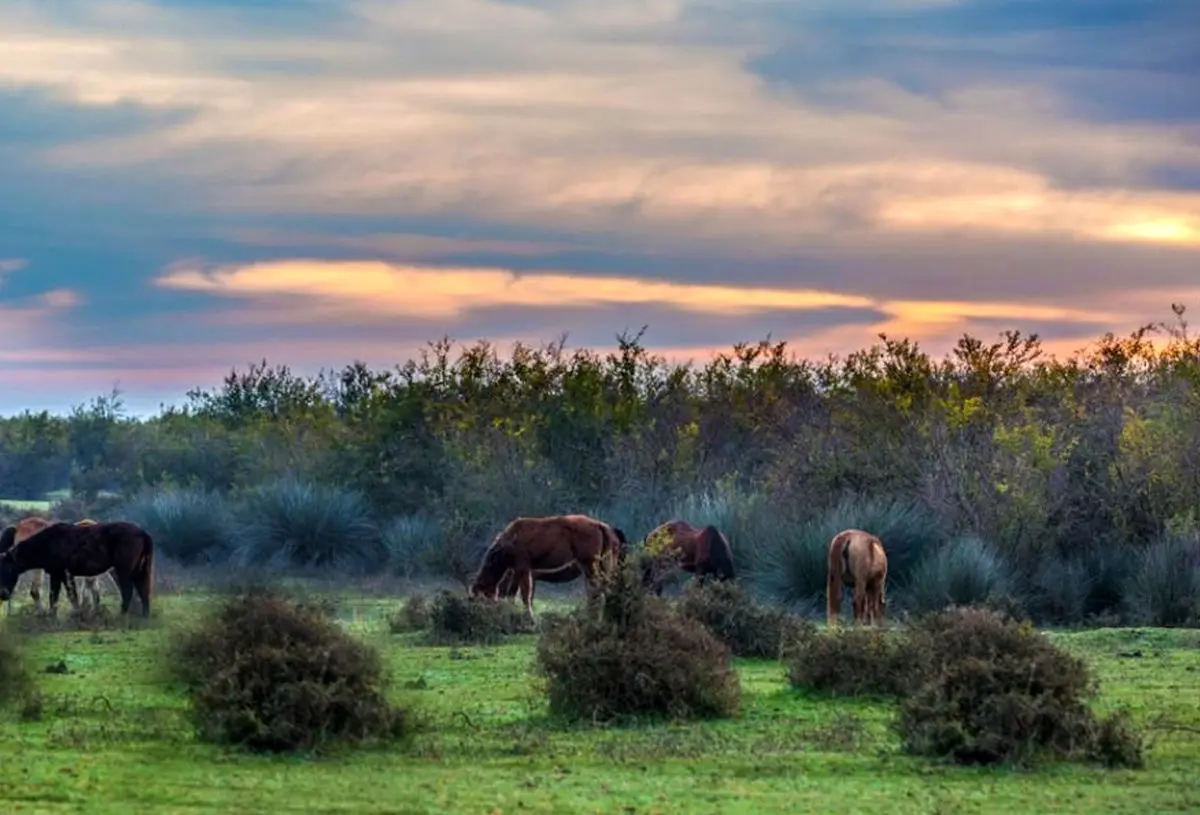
[(456, 619), (628, 655), (272, 674), (412, 615), (857, 661), (749, 628), (1000, 692)]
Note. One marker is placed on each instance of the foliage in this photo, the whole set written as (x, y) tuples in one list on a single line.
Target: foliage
[(412, 615), (193, 526), (965, 571), (15, 681), (856, 661), (630, 655), (459, 619), (730, 612), (271, 674), (1000, 692), (1165, 587), (292, 523), (412, 543)]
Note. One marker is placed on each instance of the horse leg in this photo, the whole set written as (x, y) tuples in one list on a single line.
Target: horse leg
[(35, 589), (125, 584), (860, 601), (72, 590), (525, 583), (56, 583)]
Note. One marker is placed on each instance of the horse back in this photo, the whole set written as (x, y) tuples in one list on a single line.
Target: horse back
[(713, 547)]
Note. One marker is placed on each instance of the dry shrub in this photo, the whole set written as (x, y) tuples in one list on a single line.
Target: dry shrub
[(856, 661), (412, 615), (628, 655), (731, 613), (16, 685), (272, 674), (1000, 692), (456, 619)]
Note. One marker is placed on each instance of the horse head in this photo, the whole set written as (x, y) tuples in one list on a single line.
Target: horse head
[(9, 574)]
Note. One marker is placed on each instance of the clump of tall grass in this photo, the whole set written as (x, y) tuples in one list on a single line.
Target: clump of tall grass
[(289, 523), (966, 571), (412, 542), (193, 526), (1165, 588)]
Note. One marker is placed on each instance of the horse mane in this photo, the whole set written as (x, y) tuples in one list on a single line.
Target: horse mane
[(720, 556), (7, 538), (495, 559)]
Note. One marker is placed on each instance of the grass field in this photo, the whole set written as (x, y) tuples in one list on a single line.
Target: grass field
[(113, 738)]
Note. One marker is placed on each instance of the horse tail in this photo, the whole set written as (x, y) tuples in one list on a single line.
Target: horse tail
[(8, 538), (838, 565), (622, 543), (720, 557), (145, 564)]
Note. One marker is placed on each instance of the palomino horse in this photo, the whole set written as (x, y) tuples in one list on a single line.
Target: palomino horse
[(533, 548), (568, 572), (22, 530), (703, 552), (64, 550), (857, 561)]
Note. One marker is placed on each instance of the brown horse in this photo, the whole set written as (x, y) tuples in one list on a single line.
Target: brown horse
[(64, 549), (857, 561), (22, 530), (568, 571), (534, 548), (677, 544)]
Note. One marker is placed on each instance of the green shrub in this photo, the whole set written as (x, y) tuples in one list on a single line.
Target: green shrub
[(192, 526), (459, 619), (628, 655), (727, 609), (1000, 692), (412, 615), (293, 524), (1082, 586), (964, 571), (793, 569), (412, 543), (856, 661), (271, 674), (1165, 588)]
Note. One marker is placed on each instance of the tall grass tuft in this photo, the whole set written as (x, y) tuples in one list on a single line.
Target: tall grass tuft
[(193, 526), (966, 571), (411, 542), (289, 523), (791, 566), (1165, 588)]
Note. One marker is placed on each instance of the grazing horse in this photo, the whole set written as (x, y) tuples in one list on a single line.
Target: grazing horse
[(857, 561), (566, 573), (22, 530), (534, 548), (703, 552), (65, 549)]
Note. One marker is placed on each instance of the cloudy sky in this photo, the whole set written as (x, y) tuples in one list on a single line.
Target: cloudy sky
[(189, 185)]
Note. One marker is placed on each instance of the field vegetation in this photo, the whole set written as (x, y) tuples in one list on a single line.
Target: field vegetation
[(1051, 494)]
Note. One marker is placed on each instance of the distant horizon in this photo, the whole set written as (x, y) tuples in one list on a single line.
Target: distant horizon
[(192, 185)]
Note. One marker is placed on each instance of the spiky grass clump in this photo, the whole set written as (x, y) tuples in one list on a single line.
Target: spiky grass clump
[(411, 542), (966, 571), (294, 524), (793, 569), (1165, 588), (192, 526), (1082, 586), (272, 674)]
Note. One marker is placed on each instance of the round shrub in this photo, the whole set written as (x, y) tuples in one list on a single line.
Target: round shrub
[(1165, 589), (749, 628), (455, 619), (628, 655), (856, 662), (966, 571), (412, 615), (192, 526), (272, 674), (1000, 692), (294, 524)]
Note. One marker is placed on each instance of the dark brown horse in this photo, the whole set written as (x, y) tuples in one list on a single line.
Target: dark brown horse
[(534, 548), (65, 550), (677, 544), (856, 561), (569, 572), (22, 530)]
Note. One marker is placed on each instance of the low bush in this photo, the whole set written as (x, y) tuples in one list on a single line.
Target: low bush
[(293, 524), (458, 619), (1002, 693), (16, 685), (412, 615), (856, 661), (190, 525), (728, 610), (1165, 588), (965, 571), (272, 674), (628, 655)]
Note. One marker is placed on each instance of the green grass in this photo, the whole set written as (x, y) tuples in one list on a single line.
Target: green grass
[(113, 738), (22, 505)]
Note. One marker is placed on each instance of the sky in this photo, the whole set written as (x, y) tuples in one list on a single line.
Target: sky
[(187, 186)]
